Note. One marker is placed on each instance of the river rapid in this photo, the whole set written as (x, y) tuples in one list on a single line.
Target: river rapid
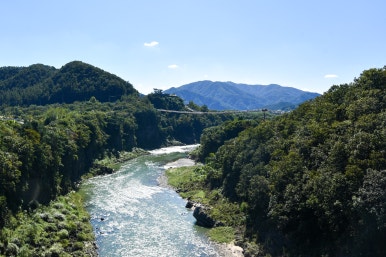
[(132, 215)]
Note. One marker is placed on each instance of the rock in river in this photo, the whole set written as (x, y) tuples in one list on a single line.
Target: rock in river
[(203, 219)]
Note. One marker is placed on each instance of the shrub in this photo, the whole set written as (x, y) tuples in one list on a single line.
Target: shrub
[(55, 250), (77, 246), (59, 216), (84, 237), (47, 217), (63, 234), (26, 252), (222, 234), (12, 249), (50, 227), (58, 206)]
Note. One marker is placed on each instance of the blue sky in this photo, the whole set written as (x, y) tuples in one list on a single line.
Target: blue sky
[(310, 45)]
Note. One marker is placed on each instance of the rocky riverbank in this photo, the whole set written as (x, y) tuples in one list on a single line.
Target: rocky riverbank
[(224, 249)]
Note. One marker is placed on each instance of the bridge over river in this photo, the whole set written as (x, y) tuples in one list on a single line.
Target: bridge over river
[(213, 112)]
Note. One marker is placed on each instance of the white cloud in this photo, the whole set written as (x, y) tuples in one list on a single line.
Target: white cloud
[(151, 44), (330, 76), (173, 66)]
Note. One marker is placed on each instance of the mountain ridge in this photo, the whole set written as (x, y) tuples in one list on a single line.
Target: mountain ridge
[(219, 95)]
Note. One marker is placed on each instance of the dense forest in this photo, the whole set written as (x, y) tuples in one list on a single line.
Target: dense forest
[(45, 149), (308, 183), (76, 81), (55, 125)]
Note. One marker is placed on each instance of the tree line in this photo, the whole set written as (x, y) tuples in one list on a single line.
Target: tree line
[(311, 182)]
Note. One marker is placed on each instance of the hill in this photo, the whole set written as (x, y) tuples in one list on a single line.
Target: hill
[(233, 96), (310, 182), (59, 125), (76, 81)]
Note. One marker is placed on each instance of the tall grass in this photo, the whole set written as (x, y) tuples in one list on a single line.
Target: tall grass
[(60, 229)]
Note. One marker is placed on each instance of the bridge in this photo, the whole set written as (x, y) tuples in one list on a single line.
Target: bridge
[(212, 112)]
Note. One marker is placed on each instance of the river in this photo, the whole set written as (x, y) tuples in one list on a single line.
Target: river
[(133, 216)]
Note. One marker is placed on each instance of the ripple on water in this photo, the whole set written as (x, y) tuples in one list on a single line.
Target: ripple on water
[(132, 216)]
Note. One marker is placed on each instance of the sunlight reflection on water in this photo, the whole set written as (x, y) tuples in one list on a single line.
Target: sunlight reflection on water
[(133, 216)]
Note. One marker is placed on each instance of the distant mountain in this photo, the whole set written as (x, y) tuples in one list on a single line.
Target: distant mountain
[(76, 81), (233, 96)]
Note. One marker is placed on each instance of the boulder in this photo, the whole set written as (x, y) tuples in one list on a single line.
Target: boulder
[(189, 204), (202, 217)]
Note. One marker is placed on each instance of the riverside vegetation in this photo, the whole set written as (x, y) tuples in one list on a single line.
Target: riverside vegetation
[(308, 183), (60, 229), (57, 125)]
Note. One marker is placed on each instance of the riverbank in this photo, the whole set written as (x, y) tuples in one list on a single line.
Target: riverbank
[(62, 228), (229, 250), (113, 163), (183, 162), (224, 249)]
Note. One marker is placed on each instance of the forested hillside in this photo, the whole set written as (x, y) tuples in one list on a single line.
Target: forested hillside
[(44, 150), (76, 81), (54, 127), (311, 182)]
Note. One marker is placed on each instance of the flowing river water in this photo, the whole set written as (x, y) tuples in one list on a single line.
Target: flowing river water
[(132, 215)]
